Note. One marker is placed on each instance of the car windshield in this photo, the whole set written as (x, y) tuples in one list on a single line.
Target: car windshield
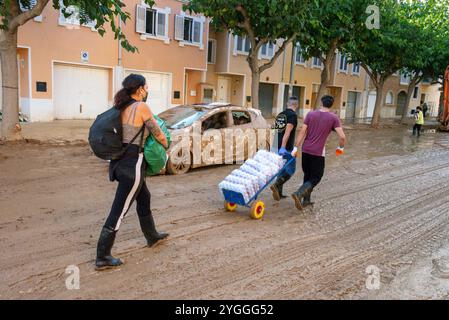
[(181, 117)]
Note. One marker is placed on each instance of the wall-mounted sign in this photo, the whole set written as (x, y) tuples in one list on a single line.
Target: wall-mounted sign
[(41, 86), (84, 56)]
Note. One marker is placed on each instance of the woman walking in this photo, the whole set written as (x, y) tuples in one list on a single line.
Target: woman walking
[(138, 121)]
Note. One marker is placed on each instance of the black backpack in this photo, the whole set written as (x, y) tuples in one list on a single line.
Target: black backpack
[(106, 134)]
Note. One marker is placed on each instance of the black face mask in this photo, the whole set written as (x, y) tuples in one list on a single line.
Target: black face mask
[(146, 97)]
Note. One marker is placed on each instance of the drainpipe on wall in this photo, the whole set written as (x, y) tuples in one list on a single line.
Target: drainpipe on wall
[(120, 58), (292, 71), (119, 73)]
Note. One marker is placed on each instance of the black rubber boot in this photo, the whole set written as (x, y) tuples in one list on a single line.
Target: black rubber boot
[(303, 191), (278, 187), (149, 230), (104, 258), (306, 201)]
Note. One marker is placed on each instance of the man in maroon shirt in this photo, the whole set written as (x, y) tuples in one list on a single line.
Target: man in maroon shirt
[(314, 133)]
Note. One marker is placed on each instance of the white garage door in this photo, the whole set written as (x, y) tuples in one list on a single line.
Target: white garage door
[(371, 104), (159, 90), (80, 92)]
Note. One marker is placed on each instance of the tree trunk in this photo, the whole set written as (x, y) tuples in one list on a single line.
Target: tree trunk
[(10, 127), (410, 90), (255, 84), (326, 75), (253, 61), (379, 102)]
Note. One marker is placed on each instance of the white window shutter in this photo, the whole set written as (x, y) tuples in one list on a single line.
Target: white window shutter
[(197, 32), (141, 16), (161, 23), (179, 28)]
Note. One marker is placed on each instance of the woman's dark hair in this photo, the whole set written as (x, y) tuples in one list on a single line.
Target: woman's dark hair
[(130, 85)]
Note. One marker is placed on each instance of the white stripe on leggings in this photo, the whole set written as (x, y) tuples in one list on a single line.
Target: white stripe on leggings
[(133, 191)]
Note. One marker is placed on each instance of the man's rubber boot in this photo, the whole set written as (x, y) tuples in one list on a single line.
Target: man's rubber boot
[(149, 230), (306, 201), (303, 191), (104, 258), (277, 188)]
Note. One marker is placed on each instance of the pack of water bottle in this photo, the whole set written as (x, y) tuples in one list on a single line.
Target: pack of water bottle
[(253, 175)]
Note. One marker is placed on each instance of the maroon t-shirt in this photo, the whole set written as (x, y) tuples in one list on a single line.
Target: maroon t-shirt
[(319, 125)]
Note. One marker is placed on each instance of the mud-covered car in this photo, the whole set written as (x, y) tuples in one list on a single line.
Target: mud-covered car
[(242, 132)]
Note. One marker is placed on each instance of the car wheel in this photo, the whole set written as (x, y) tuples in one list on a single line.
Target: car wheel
[(179, 163)]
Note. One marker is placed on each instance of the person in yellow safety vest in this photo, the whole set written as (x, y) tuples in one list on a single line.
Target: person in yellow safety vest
[(419, 121)]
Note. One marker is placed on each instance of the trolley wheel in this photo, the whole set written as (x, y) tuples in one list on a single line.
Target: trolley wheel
[(231, 207), (257, 210)]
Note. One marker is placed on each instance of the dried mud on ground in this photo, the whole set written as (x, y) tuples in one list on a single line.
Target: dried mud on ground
[(386, 204)]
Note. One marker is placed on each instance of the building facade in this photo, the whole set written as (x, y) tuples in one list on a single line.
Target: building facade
[(68, 71)]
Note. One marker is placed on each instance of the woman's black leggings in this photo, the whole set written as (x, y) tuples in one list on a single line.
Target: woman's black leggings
[(130, 174)]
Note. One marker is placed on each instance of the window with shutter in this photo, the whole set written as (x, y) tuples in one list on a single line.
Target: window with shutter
[(343, 63), (152, 22), (316, 62), (356, 68), (299, 58), (189, 30), (30, 6), (239, 43), (243, 45), (267, 50), (247, 45)]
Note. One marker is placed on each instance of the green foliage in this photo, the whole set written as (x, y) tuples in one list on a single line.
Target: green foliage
[(331, 22), (428, 52), (103, 12), (384, 51), (269, 19)]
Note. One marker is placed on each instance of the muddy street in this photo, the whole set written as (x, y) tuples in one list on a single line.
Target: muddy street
[(384, 205)]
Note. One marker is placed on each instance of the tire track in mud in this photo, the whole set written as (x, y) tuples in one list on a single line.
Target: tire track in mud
[(128, 252), (294, 255), (407, 176), (235, 275), (356, 263), (217, 220)]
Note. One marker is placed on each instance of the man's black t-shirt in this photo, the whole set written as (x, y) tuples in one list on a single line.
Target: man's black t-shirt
[(285, 117)]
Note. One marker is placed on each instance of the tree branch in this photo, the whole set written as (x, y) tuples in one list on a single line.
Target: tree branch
[(246, 24), (370, 73), (277, 54), (22, 18)]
